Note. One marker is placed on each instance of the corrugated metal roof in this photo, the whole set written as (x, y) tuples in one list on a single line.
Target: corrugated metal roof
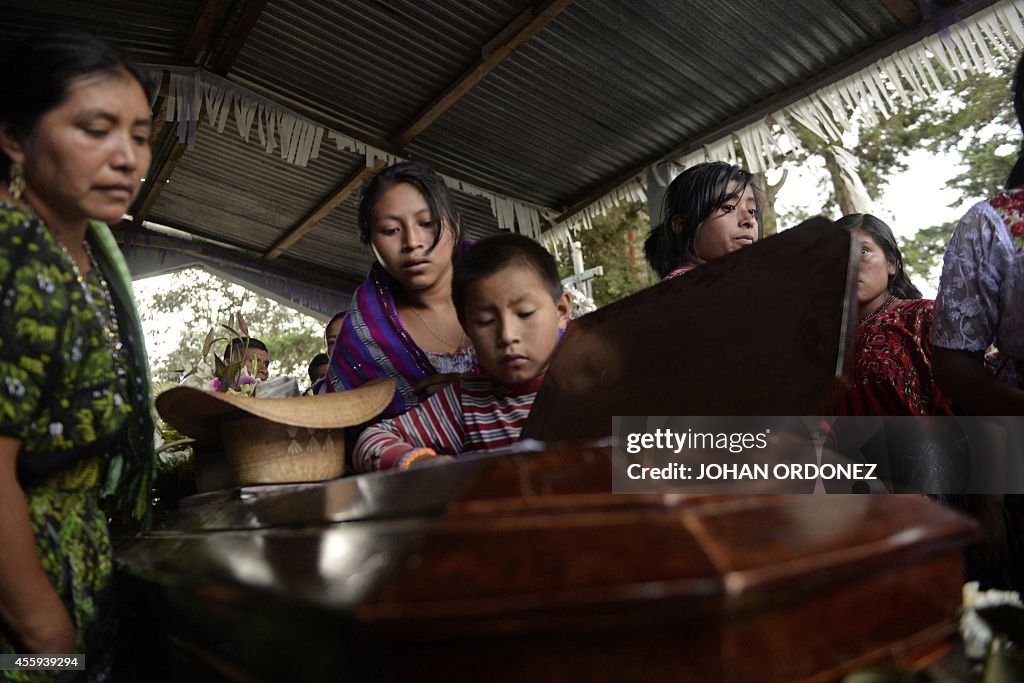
[(368, 65), (233, 191), (608, 85), (146, 31), (598, 91)]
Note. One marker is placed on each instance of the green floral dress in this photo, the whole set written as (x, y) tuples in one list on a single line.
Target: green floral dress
[(78, 419)]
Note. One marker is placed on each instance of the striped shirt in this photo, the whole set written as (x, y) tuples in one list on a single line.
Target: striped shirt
[(474, 413)]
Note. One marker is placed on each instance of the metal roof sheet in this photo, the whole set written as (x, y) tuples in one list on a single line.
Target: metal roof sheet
[(598, 89)]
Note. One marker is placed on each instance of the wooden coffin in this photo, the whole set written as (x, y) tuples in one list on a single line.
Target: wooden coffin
[(523, 567)]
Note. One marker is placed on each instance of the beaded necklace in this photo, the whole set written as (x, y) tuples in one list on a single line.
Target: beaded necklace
[(878, 311), (104, 310)]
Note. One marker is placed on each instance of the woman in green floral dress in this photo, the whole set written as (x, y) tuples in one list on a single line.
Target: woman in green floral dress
[(75, 427)]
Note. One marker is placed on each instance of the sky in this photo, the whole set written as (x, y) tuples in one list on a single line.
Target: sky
[(914, 199)]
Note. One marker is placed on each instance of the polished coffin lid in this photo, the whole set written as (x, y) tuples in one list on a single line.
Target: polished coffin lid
[(507, 554), (762, 331)]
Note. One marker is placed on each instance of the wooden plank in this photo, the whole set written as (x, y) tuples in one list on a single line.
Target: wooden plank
[(772, 104), (904, 10), (510, 39), (353, 183), (157, 178), (239, 34), (209, 15)]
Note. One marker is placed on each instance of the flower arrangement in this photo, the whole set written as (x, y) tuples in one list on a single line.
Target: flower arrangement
[(227, 373)]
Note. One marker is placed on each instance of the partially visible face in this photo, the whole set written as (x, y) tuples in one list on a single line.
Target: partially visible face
[(319, 372), (331, 334), (514, 323), (262, 362), (401, 233), (87, 157), (730, 227), (874, 273)]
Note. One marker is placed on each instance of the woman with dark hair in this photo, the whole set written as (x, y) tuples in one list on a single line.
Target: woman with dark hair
[(892, 373), (978, 337), (401, 323), (710, 210), (980, 303), (76, 437)]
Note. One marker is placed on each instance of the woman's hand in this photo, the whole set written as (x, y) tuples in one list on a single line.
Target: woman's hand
[(435, 383), (50, 631), (29, 604)]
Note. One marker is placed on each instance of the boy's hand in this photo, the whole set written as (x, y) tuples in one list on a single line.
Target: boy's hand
[(435, 383)]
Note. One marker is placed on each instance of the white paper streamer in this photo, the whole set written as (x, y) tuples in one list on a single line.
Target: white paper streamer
[(876, 91)]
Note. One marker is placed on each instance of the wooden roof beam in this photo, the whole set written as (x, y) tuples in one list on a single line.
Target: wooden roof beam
[(158, 177), (243, 26), (511, 38), (351, 184), (905, 10), (208, 16), (235, 256)]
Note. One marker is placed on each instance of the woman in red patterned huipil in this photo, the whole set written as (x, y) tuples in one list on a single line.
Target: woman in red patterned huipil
[(892, 373)]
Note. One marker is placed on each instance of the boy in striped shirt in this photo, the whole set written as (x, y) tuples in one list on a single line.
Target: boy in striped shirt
[(509, 299)]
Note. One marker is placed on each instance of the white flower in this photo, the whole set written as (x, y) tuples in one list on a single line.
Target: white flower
[(976, 633), (56, 429)]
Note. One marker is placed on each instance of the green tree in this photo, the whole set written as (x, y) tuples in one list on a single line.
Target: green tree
[(615, 242), (922, 253), (972, 117), (195, 301)]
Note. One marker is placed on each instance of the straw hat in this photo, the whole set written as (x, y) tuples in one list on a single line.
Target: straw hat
[(275, 440)]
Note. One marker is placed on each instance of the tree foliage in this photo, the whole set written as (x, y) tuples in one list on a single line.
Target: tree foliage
[(615, 242), (195, 301), (922, 253)]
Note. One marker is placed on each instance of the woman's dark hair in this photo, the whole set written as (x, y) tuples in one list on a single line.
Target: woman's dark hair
[(340, 315), (430, 184), (1016, 178), (318, 360), (36, 74), (691, 198), (496, 253), (899, 283)]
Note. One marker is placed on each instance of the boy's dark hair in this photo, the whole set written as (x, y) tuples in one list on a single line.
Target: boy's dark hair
[(899, 284), (318, 360), (242, 343), (496, 253), (431, 185), (690, 199), (38, 72)]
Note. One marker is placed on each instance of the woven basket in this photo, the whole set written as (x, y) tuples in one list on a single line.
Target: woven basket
[(262, 452)]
